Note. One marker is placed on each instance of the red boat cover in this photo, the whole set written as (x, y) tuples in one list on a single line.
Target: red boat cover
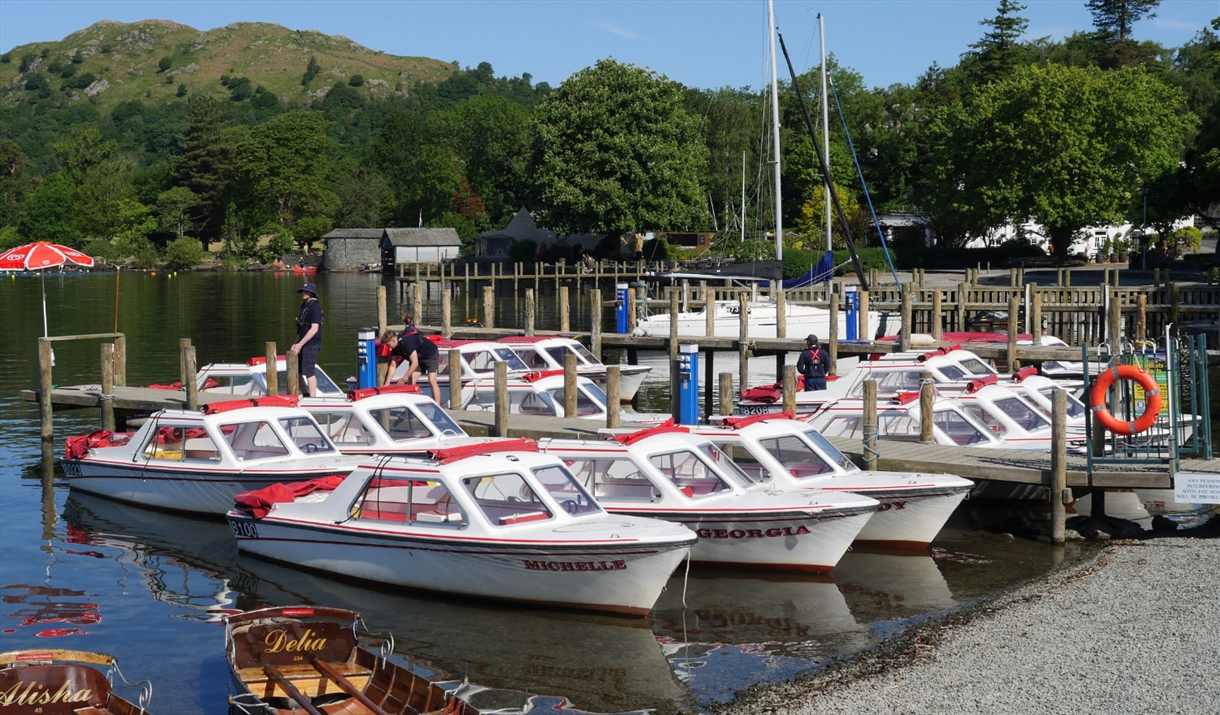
[(667, 426), (771, 393), (383, 390), (739, 422), (207, 385), (258, 503), (269, 401), (77, 447)]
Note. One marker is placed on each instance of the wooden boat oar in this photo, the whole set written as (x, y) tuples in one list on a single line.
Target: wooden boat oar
[(346, 685), (275, 675)]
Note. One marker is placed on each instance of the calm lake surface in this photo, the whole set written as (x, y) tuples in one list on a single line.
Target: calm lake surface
[(81, 572)]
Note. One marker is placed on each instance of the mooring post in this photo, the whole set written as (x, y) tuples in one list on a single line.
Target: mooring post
[(120, 360), (781, 312), (529, 311), (292, 374), (709, 310), (870, 425), (271, 369), (962, 289), (489, 306), (927, 391), (183, 344), (595, 322), (1059, 495), (1141, 316), (630, 311), (832, 326), (501, 425), (107, 397), (446, 313), (789, 392), (936, 310), (904, 336), (569, 385), (613, 396), (673, 327), (726, 394), (454, 367), (192, 385), (1036, 308), (743, 337), (383, 320), (44, 391), (417, 305), (565, 322), (1116, 319), (1014, 328), (862, 316)]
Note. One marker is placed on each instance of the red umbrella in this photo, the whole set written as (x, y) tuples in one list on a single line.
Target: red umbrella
[(40, 256)]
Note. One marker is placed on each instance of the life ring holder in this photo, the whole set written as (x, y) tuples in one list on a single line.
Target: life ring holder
[(1097, 399)]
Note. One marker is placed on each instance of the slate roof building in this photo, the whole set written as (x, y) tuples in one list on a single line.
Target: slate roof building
[(400, 246), (494, 245), (352, 249)]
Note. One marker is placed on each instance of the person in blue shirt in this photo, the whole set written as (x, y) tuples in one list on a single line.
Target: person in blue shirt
[(814, 364), (309, 338)]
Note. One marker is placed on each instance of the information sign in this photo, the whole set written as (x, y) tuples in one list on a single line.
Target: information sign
[(1196, 488)]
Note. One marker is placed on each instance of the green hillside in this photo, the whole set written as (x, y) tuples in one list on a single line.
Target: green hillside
[(113, 62)]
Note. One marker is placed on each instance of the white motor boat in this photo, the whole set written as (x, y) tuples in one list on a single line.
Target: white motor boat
[(393, 419), (782, 453), (197, 461), (543, 353), (668, 473), (799, 321), (250, 379), (898, 419), (495, 520), (541, 394)]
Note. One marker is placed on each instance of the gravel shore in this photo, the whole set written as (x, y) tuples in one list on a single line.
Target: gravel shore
[(1135, 631)]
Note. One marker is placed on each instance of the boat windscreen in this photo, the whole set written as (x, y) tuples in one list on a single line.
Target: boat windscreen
[(831, 451), (306, 435), (1075, 408), (561, 485), (401, 423), (796, 455), (1026, 417), (690, 473), (961, 430), (440, 419)]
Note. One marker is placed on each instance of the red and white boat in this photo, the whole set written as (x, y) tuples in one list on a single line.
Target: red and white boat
[(668, 473), (543, 353), (496, 520), (393, 419), (541, 394), (782, 453), (197, 461), (898, 419)]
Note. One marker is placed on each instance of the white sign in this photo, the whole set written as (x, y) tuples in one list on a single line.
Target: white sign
[(1196, 488)]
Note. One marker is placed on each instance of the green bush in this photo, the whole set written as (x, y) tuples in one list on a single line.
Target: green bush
[(183, 252), (280, 244), (355, 80), (99, 248), (146, 258), (9, 238), (1187, 240)]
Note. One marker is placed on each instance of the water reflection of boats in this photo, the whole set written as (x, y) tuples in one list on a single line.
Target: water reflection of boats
[(883, 588)]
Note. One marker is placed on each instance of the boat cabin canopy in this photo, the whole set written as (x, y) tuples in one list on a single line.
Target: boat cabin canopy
[(235, 438)]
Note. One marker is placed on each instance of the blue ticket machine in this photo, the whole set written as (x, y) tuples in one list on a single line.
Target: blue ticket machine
[(688, 383), (853, 320), (620, 307), (366, 357)]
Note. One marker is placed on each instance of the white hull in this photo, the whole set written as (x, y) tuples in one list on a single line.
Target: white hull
[(629, 381), (782, 541), (909, 517), (800, 320), (623, 578)]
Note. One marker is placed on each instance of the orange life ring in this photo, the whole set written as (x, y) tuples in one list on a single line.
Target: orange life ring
[(1097, 399)]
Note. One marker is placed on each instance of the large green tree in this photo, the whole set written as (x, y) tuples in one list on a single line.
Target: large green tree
[(206, 165), (1115, 21), (15, 182), (1067, 147), (615, 151), (1000, 48), (283, 162)]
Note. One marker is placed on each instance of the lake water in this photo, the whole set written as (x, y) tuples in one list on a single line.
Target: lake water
[(82, 572)]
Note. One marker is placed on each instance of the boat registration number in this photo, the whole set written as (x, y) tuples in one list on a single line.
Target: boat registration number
[(244, 529), (752, 410), (71, 469)]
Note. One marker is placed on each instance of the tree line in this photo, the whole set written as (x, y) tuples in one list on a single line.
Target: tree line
[(1098, 128)]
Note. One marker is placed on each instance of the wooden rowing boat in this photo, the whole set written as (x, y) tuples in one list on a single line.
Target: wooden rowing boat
[(310, 660), (64, 682)]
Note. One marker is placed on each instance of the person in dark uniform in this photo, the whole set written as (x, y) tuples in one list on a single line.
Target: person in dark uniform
[(421, 355), (309, 338), (813, 363)]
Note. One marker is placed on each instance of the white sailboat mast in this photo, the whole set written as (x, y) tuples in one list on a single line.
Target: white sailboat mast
[(779, 205), (825, 125)]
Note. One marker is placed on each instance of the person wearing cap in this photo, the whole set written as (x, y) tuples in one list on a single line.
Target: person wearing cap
[(309, 337), (813, 363)]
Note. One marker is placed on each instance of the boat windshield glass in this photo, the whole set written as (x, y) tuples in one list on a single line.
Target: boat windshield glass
[(535, 359), (181, 442), (561, 485), (419, 502), (401, 423), (506, 499), (513, 360), (694, 477), (343, 428), (326, 386), (989, 420), (952, 373), (485, 360), (613, 479), (959, 429), (889, 383), (253, 440), (726, 465), (746, 460), (581, 351), (440, 419), (796, 455), (831, 451), (1075, 408), (1026, 417), (585, 404), (976, 367), (306, 435)]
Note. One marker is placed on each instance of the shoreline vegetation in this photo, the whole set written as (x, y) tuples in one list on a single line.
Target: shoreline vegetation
[(1131, 629)]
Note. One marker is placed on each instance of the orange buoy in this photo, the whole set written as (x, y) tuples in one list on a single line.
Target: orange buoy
[(1097, 399)]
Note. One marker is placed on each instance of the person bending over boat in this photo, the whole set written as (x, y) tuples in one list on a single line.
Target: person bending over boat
[(813, 364), (309, 337), (421, 355)]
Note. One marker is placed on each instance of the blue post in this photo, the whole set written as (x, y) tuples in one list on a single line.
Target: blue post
[(366, 357), (688, 383), (853, 307), (620, 307)]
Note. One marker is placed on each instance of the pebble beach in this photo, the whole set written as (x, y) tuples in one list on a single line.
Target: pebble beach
[(1135, 630)]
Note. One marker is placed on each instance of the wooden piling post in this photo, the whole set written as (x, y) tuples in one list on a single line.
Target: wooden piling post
[(1036, 309), (192, 384), (595, 321), (709, 310), (789, 391), (455, 378), (1058, 464), (272, 369), (183, 344), (569, 385), (446, 313), (47, 427), (869, 428), (417, 305), (107, 397), (501, 424), (630, 311), (673, 325), (962, 291), (927, 392), (613, 396), (529, 311), (292, 373), (862, 316), (936, 311), (489, 306), (383, 321), (904, 336), (1141, 317), (1115, 317), (743, 337), (565, 322), (1067, 277), (726, 394), (1014, 307), (781, 312), (833, 326), (120, 360)]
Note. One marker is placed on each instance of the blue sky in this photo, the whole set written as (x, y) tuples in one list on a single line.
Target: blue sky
[(701, 43)]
